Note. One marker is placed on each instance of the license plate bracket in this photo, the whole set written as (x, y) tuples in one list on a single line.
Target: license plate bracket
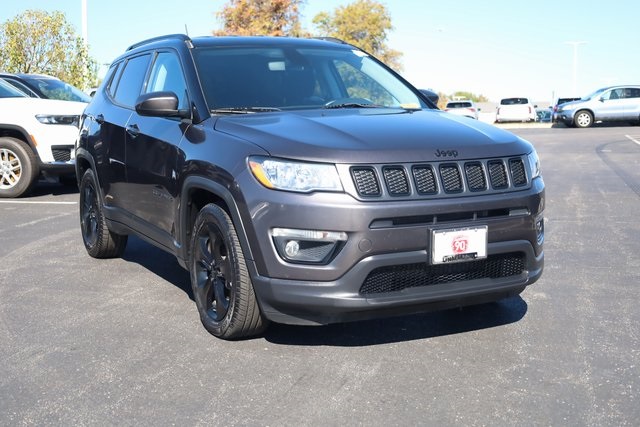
[(453, 245)]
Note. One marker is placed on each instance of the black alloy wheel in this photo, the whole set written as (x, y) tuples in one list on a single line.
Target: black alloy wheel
[(99, 241), (220, 281)]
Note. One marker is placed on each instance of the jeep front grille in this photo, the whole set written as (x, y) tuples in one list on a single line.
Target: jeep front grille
[(399, 277), (440, 179)]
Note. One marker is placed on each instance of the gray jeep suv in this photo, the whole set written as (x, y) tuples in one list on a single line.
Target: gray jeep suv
[(302, 181)]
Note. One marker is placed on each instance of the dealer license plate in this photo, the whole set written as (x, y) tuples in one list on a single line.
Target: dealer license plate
[(458, 244)]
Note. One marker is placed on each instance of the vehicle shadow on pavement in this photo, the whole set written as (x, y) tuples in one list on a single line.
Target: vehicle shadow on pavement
[(351, 334), (158, 262), (406, 328), (46, 188)]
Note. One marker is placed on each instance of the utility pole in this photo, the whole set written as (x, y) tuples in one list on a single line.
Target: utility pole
[(575, 65), (85, 41)]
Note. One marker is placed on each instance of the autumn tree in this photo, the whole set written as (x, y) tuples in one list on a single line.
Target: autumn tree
[(40, 42), (261, 17), (363, 23)]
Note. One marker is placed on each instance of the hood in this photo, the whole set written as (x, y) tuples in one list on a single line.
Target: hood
[(18, 106), (372, 135)]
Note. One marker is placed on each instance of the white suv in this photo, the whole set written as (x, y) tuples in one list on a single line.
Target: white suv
[(36, 135), (462, 107), (516, 110)]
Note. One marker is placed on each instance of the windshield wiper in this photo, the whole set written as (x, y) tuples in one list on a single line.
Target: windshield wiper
[(244, 110), (352, 105)]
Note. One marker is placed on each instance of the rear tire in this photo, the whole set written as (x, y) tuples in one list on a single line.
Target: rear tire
[(99, 241), (220, 281), (583, 119), (18, 167)]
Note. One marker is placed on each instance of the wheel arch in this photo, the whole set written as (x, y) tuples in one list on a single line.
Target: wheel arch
[(198, 191), (18, 132)]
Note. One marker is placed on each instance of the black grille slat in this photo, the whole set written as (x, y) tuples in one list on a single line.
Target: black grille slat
[(425, 179), (475, 176), (451, 179), (396, 181), (518, 174), (61, 154), (366, 181), (399, 277), (498, 174)]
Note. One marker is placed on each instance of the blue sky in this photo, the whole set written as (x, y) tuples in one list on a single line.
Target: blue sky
[(498, 48)]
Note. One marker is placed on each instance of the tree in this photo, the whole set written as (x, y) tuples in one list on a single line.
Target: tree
[(45, 43), (363, 23), (468, 95), (261, 17)]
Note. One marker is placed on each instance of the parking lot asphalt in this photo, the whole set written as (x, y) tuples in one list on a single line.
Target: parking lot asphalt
[(119, 342)]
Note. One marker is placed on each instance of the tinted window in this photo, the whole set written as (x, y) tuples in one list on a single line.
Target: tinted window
[(57, 89), (632, 92), (459, 105), (112, 77), (514, 101), (166, 75), (130, 84)]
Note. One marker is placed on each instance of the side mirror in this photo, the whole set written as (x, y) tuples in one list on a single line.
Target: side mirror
[(431, 95), (159, 104)]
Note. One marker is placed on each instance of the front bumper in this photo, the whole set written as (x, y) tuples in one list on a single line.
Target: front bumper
[(389, 237), (312, 303)]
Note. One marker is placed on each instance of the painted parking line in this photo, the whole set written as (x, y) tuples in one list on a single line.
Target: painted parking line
[(633, 139), (33, 202)]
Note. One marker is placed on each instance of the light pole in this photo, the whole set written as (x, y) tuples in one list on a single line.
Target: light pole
[(575, 64)]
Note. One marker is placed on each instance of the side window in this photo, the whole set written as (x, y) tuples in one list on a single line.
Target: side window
[(166, 75), (130, 84), (632, 92), (112, 78)]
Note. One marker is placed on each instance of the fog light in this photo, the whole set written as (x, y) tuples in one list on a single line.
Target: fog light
[(307, 246), (292, 248), (540, 230)]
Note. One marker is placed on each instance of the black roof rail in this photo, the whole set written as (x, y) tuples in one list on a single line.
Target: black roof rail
[(331, 39), (183, 37)]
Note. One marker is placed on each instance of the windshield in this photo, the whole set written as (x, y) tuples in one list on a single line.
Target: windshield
[(57, 89), (8, 91), (594, 94), (258, 79)]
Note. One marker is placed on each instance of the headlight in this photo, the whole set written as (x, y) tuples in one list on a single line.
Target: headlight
[(534, 164), (51, 119), (301, 177)]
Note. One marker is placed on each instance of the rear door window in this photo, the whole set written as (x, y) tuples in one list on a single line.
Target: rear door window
[(130, 84)]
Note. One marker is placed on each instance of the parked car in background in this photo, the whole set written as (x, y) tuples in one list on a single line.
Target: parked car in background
[(559, 102), (43, 86), (543, 115), (463, 107), (515, 110), (609, 104), (36, 136), (303, 181)]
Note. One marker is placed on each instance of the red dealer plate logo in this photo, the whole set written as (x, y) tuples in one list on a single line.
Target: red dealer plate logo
[(458, 244)]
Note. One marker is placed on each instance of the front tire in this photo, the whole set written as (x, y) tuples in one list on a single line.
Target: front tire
[(18, 168), (583, 119), (99, 241), (220, 281)]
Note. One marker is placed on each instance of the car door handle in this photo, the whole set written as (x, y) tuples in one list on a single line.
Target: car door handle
[(133, 130)]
